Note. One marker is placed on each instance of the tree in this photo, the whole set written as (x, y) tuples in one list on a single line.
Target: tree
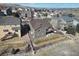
[(65, 28), (9, 11), (71, 15), (77, 28), (44, 14), (16, 14), (38, 15), (71, 30)]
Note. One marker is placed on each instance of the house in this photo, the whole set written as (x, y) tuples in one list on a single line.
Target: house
[(14, 10), (38, 27), (66, 21), (58, 23), (9, 24), (61, 24), (2, 13)]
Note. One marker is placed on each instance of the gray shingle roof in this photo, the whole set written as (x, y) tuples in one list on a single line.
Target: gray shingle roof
[(9, 20), (36, 23)]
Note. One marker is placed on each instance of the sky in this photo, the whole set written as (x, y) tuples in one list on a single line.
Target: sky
[(52, 5)]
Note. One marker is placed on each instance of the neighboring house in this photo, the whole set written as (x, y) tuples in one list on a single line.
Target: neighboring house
[(14, 10), (53, 22), (58, 23), (35, 14), (9, 24), (61, 24), (75, 21), (39, 26), (66, 21), (4, 11)]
